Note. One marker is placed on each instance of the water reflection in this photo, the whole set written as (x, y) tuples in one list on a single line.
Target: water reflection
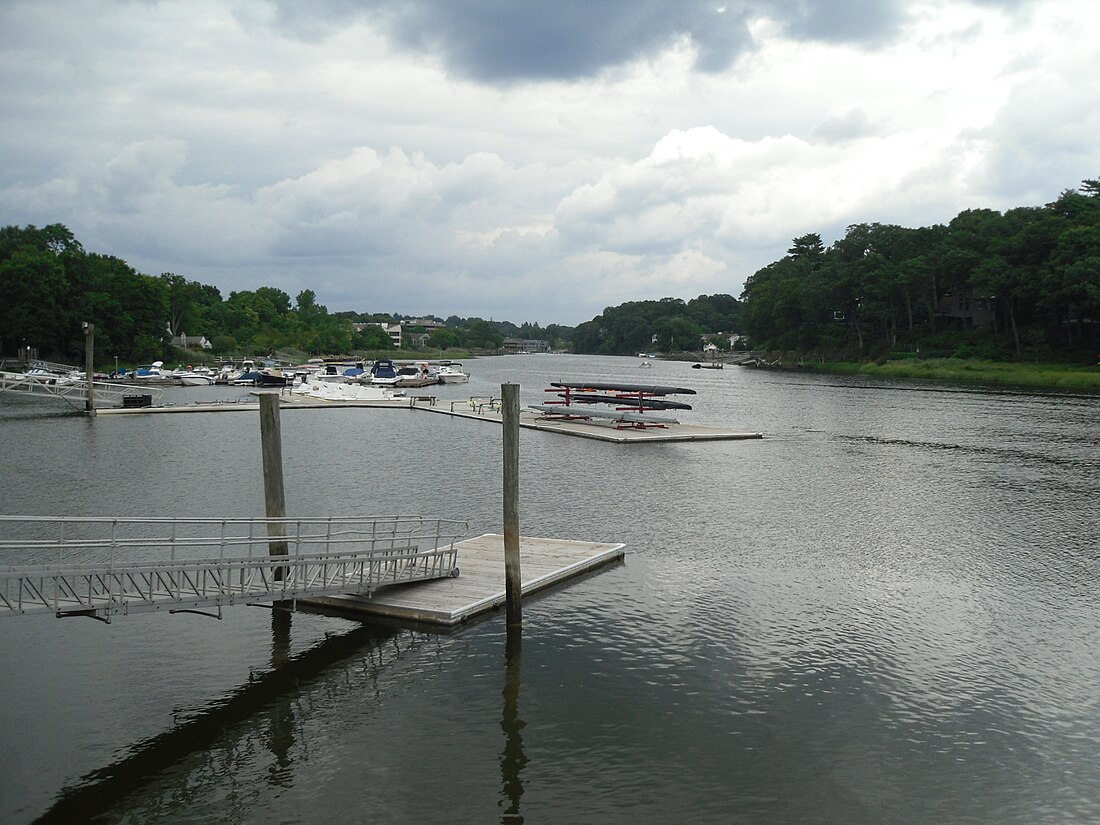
[(512, 758), (130, 784), (894, 591), (281, 712)]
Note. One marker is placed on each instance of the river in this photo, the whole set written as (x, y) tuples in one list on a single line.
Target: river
[(884, 611)]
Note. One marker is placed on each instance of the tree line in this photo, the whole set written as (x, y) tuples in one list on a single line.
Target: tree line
[(51, 285), (989, 284), (997, 285), (667, 325)]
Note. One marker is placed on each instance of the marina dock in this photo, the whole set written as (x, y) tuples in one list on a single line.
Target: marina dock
[(287, 401), (594, 428), (479, 588), (476, 409)]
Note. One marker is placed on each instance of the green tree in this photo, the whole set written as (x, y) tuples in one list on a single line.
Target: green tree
[(374, 339), (443, 339), (481, 335), (189, 305), (34, 286)]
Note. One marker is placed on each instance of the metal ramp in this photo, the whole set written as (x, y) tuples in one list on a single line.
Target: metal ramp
[(72, 388), (103, 567)]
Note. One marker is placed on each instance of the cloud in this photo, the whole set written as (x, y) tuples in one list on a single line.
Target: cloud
[(503, 42), (847, 125), (869, 22), (498, 41), (527, 161)]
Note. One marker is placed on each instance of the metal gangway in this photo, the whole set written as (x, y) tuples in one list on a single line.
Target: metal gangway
[(104, 567), (72, 388)]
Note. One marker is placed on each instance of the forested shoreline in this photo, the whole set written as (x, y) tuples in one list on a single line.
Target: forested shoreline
[(1019, 285), (1023, 284), (51, 285)]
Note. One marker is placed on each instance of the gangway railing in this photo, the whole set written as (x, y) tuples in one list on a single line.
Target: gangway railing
[(17, 365), (103, 567), (73, 388)]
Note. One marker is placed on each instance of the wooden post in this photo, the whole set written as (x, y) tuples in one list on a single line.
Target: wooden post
[(271, 441), (89, 371), (509, 409)]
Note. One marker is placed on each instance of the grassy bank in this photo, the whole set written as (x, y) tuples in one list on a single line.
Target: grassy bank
[(1049, 376)]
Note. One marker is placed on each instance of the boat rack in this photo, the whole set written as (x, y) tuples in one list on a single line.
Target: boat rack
[(632, 403)]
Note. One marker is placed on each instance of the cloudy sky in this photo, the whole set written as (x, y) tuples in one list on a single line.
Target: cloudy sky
[(534, 160)]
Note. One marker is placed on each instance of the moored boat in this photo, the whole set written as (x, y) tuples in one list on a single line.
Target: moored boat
[(316, 387), (383, 372), (411, 375), (273, 377), (451, 373), (194, 379), (151, 372)]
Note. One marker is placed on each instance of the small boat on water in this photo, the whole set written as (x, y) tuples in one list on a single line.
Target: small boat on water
[(383, 372), (194, 379), (412, 375), (43, 373), (194, 376), (316, 387), (450, 372), (151, 372), (273, 377)]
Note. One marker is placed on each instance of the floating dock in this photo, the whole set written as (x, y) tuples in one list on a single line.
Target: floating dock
[(477, 409), (601, 430), (480, 587), (287, 401)]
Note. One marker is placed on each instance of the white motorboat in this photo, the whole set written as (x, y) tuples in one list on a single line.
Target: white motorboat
[(383, 372), (317, 387), (451, 373), (194, 379), (151, 372)]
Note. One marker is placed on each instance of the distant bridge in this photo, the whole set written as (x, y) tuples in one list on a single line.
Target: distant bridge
[(103, 567)]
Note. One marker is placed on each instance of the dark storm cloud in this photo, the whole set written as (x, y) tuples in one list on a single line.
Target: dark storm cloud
[(501, 41), (498, 41)]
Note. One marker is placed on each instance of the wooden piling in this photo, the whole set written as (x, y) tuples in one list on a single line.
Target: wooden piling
[(513, 580), (89, 370), (271, 441)]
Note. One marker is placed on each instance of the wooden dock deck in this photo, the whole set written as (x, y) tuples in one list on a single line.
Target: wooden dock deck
[(480, 587), (601, 430), (286, 402)]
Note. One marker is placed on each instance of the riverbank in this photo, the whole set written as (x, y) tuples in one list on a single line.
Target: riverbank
[(1039, 375), (1042, 375)]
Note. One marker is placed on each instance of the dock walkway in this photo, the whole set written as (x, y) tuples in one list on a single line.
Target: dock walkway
[(595, 429), (480, 587), (103, 567), (287, 401), (477, 409)]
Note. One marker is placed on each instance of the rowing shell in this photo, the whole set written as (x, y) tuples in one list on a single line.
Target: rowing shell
[(629, 401), (638, 388)]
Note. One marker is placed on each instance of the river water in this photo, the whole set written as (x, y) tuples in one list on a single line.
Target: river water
[(885, 611)]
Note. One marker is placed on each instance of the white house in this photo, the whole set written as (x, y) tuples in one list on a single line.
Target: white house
[(184, 341)]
